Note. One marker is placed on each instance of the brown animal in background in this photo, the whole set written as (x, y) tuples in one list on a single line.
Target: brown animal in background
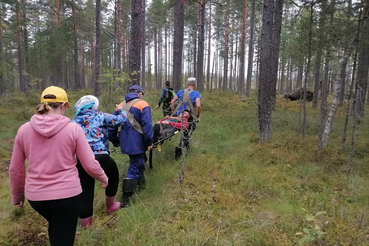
[(299, 95)]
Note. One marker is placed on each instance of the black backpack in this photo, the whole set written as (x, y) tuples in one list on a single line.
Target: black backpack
[(169, 95)]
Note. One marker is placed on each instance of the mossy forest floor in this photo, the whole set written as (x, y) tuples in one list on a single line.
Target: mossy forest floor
[(235, 191)]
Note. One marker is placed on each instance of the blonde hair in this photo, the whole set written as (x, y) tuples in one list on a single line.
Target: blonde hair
[(45, 107)]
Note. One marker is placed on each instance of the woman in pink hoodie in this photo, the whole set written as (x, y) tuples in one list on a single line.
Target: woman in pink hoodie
[(51, 142)]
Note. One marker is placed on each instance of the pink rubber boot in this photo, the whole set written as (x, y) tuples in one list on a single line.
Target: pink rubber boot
[(86, 222), (111, 205)]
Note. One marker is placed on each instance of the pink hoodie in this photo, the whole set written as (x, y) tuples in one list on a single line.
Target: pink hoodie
[(50, 143)]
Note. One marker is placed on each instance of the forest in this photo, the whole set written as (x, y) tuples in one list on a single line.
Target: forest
[(273, 171)]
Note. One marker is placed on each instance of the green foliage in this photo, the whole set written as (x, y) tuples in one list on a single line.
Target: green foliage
[(314, 230)]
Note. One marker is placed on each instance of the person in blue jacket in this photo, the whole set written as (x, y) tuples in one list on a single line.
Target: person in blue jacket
[(188, 99), (136, 136)]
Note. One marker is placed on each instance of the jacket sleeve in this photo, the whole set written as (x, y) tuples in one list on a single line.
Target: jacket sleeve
[(87, 158), (146, 124), (162, 95), (17, 172), (113, 120)]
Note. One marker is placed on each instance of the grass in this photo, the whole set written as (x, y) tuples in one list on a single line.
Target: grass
[(235, 191)]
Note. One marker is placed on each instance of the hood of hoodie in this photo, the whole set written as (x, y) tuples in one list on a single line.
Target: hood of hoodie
[(130, 96), (49, 125)]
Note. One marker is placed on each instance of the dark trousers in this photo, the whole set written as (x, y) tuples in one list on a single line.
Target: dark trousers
[(136, 166), (166, 110), (88, 183), (163, 131), (62, 215)]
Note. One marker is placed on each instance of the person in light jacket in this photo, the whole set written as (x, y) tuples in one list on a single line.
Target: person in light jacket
[(94, 124), (50, 142)]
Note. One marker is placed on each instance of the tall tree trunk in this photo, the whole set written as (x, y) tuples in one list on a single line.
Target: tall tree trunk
[(59, 65), (200, 46), (135, 44), (349, 99), (362, 68), (117, 34), (241, 79), (22, 82), (283, 70), (156, 70), (25, 40), (265, 100), (77, 83), (97, 87), (166, 52), (81, 61), (123, 46), (149, 67), (337, 84), (318, 60), (209, 46), (303, 102), (160, 59), (178, 43), (257, 82), (143, 45), (230, 59), (325, 82), (277, 24), (289, 76), (226, 48), (235, 70), (2, 82), (300, 72), (251, 49), (194, 62), (143, 50)]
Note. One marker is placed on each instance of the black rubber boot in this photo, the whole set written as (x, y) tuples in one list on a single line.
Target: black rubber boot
[(141, 184), (178, 153), (156, 133), (129, 186)]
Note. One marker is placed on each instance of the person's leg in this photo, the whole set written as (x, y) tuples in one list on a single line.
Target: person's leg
[(62, 215), (87, 197), (136, 168), (166, 110), (42, 207), (64, 218), (111, 170)]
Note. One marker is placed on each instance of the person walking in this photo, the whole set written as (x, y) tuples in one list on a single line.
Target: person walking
[(136, 137), (188, 99), (50, 143), (94, 125), (167, 94)]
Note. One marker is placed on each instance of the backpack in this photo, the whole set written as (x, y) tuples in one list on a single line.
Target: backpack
[(169, 95)]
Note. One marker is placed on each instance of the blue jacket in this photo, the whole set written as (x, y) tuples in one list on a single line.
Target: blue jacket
[(163, 92), (193, 96), (131, 141), (94, 125)]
